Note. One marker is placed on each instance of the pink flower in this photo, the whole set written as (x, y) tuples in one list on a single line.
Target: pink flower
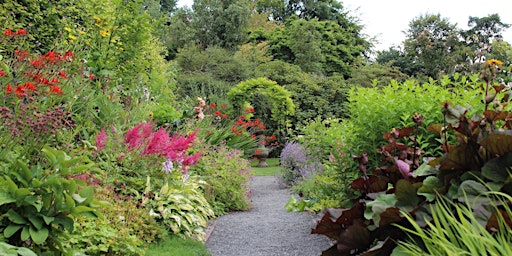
[(404, 168), (101, 140)]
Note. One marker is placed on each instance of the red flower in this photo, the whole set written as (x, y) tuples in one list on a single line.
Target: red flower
[(224, 116), (213, 105), (223, 105), (21, 32), (91, 75), (8, 32), (2, 73), (62, 73), (20, 90), (218, 113), (30, 86), (257, 151), (55, 89), (8, 89), (54, 81)]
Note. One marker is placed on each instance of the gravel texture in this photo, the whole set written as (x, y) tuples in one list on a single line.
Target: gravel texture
[(267, 229)]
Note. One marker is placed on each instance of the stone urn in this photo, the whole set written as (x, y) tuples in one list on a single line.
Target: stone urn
[(262, 153)]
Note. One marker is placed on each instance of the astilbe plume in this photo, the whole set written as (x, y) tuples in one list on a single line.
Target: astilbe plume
[(160, 143)]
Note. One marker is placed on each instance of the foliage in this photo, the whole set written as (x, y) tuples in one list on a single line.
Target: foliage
[(39, 200), (376, 110), (272, 101), (226, 174), (126, 228), (166, 115), (10, 250), (209, 73), (46, 20), (455, 229), (215, 126), (180, 206), (375, 74), (220, 23), (320, 47), (407, 182)]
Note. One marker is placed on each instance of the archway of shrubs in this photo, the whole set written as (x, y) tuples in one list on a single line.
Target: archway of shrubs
[(271, 101)]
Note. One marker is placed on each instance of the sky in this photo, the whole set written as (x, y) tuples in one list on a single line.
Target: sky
[(385, 20)]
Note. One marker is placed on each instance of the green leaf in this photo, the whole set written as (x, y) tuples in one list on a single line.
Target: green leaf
[(48, 219), (65, 222), (78, 198), (15, 217), (430, 186), (498, 169), (36, 221), (378, 206), (39, 236), (424, 170), (25, 234), (22, 251), (11, 230), (6, 198), (87, 193), (470, 190)]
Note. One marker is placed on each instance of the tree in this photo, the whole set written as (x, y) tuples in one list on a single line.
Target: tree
[(396, 57), (481, 34), (220, 22), (433, 44), (320, 47)]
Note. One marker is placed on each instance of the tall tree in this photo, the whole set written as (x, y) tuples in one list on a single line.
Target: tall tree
[(321, 47), (220, 22), (433, 43), (481, 34)]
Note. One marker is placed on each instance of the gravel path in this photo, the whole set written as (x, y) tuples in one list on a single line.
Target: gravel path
[(267, 229)]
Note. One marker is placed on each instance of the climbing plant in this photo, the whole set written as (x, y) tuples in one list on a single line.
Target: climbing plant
[(272, 102)]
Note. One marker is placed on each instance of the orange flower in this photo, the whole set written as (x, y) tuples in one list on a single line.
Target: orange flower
[(30, 86), (55, 89), (20, 90), (8, 89), (223, 105)]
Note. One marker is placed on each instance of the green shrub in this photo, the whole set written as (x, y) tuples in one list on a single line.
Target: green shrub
[(226, 173), (375, 111)]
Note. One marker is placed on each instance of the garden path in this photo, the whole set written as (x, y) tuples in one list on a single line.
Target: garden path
[(267, 229)]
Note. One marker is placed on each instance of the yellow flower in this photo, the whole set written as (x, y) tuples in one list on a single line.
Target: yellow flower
[(67, 29), (72, 37), (104, 32), (495, 62), (81, 32), (98, 19)]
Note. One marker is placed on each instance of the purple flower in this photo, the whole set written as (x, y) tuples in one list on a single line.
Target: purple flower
[(167, 166)]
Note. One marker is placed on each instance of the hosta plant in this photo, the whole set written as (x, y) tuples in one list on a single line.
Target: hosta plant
[(38, 201), (406, 184), (180, 206)]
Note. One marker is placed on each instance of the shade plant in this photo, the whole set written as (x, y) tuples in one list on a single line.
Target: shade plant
[(407, 184), (40, 199)]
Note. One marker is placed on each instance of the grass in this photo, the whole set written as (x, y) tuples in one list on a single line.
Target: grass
[(272, 169), (178, 246)]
